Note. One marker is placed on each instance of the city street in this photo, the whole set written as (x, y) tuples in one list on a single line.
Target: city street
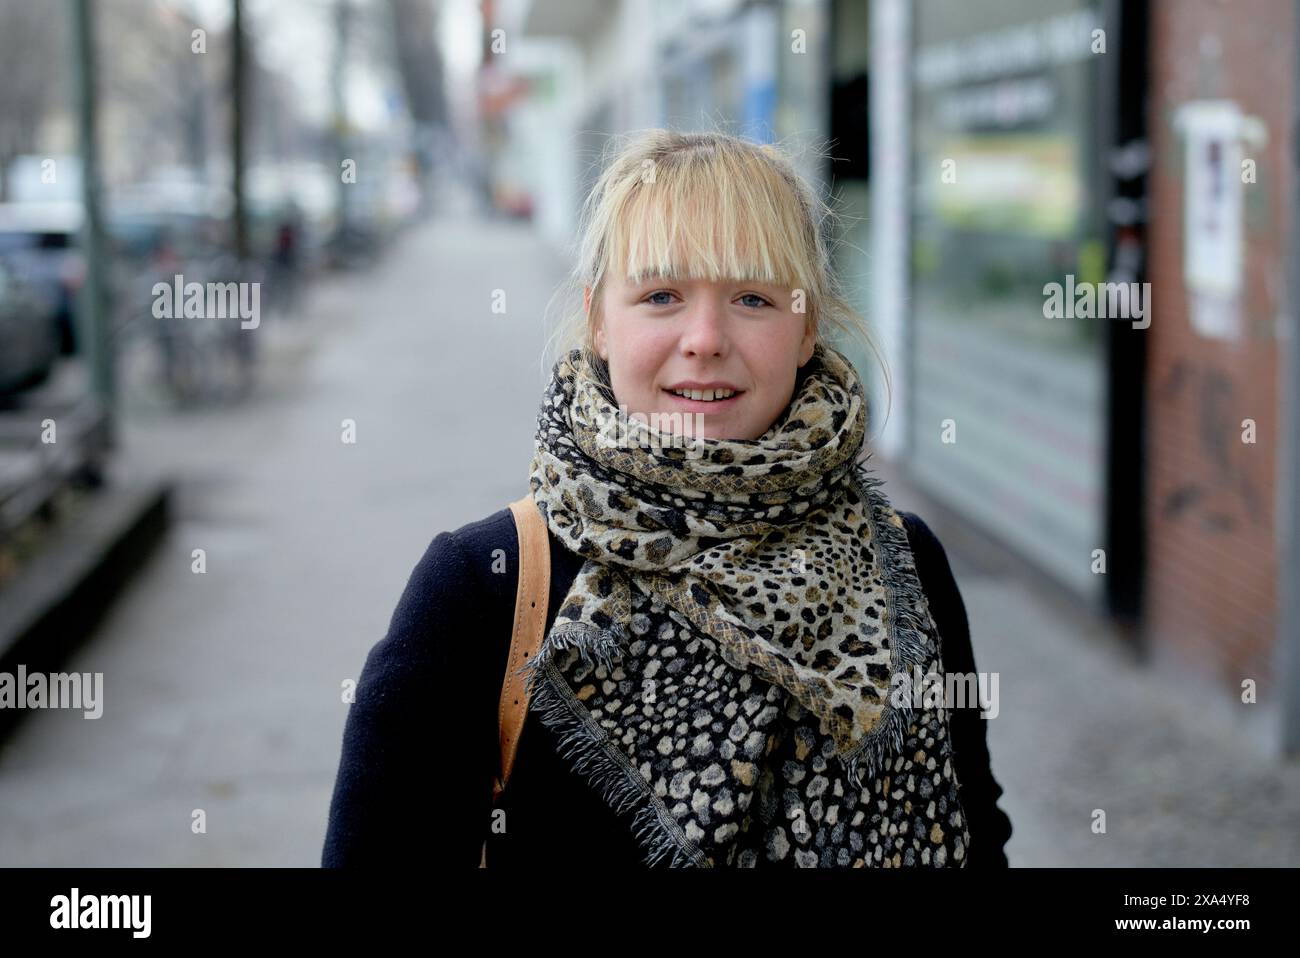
[(223, 690)]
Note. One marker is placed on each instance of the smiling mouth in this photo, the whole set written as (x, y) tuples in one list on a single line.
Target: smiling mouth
[(719, 401)]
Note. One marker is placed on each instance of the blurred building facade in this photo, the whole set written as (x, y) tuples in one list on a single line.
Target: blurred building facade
[(985, 153), (1219, 482)]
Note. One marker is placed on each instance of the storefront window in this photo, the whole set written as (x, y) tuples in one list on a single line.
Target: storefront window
[(1008, 403)]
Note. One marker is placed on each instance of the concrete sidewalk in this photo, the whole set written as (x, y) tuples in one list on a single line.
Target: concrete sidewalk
[(223, 690), (1186, 778)]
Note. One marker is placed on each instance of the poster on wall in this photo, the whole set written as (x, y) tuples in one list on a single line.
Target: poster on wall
[(1214, 132)]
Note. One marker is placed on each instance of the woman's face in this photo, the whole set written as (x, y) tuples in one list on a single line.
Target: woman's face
[(659, 336)]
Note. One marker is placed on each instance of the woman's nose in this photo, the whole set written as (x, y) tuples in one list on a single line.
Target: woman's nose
[(706, 333)]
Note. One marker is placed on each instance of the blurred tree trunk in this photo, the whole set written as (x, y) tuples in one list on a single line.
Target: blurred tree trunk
[(420, 64), (419, 60)]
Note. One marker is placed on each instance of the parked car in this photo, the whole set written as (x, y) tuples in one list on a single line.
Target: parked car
[(39, 242), (29, 334)]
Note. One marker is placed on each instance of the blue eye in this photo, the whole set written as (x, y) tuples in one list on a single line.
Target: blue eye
[(761, 301), (659, 292)]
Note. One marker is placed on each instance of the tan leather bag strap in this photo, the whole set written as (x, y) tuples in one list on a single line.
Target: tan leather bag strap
[(531, 598)]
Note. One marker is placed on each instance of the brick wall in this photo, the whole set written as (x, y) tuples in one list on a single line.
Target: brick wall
[(1211, 596)]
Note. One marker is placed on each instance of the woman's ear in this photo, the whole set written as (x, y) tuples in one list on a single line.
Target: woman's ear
[(807, 344)]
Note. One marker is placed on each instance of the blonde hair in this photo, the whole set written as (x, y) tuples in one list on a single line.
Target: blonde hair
[(708, 205)]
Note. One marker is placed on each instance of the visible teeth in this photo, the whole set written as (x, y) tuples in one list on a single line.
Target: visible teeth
[(707, 395)]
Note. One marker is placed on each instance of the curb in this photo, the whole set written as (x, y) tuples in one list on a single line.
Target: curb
[(50, 608)]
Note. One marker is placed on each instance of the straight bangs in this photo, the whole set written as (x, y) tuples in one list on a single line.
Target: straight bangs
[(713, 216)]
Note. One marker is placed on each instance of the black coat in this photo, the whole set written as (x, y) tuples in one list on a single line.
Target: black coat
[(420, 746)]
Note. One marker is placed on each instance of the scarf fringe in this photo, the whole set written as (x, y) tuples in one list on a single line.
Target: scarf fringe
[(598, 762), (903, 594), (596, 646)]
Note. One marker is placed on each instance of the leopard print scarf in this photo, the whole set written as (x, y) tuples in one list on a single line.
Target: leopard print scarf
[(721, 669)]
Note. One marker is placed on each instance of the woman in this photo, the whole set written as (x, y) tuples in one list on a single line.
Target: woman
[(734, 603)]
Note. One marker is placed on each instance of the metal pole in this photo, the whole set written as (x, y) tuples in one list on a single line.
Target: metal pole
[(338, 85), (94, 332), (1289, 460), (238, 94)]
